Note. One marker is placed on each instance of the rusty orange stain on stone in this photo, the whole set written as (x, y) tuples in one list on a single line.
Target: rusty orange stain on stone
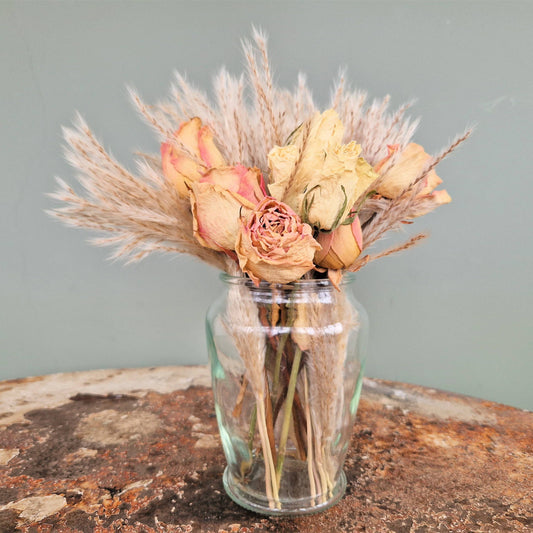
[(467, 468)]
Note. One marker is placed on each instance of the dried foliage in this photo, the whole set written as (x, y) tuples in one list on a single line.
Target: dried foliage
[(248, 116), (142, 215), (243, 325), (298, 375), (382, 215), (325, 368)]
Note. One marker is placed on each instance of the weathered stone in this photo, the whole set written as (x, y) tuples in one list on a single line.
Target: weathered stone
[(35, 508), (18, 396), (112, 427), (138, 451), (206, 441), (7, 455)]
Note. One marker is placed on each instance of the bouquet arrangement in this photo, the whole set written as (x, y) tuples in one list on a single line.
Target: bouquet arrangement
[(262, 185)]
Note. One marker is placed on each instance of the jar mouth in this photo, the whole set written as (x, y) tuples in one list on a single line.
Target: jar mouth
[(347, 278)]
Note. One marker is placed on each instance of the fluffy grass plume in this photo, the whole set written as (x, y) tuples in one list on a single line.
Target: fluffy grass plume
[(249, 114)]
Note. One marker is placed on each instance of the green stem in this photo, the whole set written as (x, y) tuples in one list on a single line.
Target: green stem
[(281, 347), (277, 367), (287, 414), (251, 432)]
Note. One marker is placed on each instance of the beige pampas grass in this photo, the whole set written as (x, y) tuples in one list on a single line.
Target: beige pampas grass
[(371, 126), (242, 323), (324, 322), (380, 215), (248, 115), (294, 353), (140, 214)]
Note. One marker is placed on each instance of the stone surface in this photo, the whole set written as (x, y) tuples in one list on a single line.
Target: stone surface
[(35, 508), (7, 455), (137, 450)]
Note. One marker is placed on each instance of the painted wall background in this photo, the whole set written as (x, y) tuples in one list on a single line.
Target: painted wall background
[(454, 313)]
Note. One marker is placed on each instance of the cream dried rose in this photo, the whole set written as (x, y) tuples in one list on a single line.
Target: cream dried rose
[(183, 168), (274, 245), (218, 199), (320, 178)]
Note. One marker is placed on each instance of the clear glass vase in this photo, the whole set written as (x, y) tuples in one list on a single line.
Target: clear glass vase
[(287, 367)]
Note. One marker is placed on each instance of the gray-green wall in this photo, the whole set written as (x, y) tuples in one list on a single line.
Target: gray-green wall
[(454, 313)]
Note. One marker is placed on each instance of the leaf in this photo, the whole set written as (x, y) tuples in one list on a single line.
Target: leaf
[(306, 204), (337, 221), (292, 134), (353, 214)]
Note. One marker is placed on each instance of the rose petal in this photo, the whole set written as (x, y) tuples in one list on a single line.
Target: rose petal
[(216, 213)]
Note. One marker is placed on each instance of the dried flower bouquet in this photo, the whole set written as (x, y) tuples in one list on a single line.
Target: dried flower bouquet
[(264, 186)]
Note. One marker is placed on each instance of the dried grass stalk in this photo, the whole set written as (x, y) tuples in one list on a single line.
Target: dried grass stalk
[(382, 215), (364, 260), (242, 323), (249, 115), (142, 214), (310, 451), (326, 354)]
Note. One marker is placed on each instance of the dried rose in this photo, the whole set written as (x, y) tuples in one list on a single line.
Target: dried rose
[(316, 175), (274, 245), (218, 199), (391, 150), (183, 168), (340, 247), (427, 202), (408, 167), (402, 174)]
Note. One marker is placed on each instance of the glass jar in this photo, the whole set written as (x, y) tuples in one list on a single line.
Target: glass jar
[(287, 367)]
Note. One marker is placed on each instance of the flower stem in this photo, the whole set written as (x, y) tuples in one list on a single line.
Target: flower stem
[(277, 366), (269, 418), (251, 432), (310, 470), (240, 398), (287, 414), (281, 346)]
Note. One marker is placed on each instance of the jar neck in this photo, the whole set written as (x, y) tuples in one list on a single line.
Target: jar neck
[(303, 285)]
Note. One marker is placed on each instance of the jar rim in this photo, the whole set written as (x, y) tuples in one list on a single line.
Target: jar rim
[(347, 278)]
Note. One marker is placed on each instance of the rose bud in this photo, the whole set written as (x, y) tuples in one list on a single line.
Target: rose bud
[(340, 247), (183, 166)]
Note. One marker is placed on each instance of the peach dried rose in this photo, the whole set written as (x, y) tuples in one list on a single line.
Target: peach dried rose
[(402, 174), (340, 247), (408, 167), (182, 167), (274, 245), (391, 150), (218, 199), (320, 178), (428, 202)]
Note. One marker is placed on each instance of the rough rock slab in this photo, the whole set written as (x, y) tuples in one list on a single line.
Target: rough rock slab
[(137, 450)]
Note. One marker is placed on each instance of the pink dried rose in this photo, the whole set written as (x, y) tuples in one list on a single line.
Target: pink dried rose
[(218, 200), (340, 247), (185, 166), (274, 244)]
